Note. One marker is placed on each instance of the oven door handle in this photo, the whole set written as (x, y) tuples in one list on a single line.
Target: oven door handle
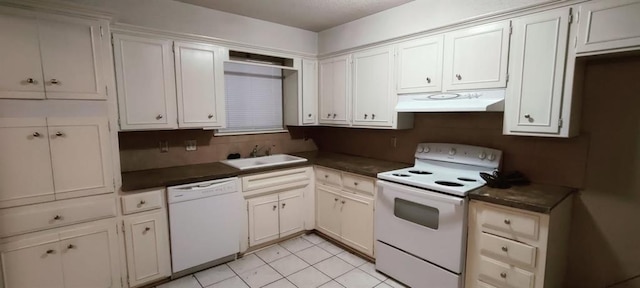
[(435, 196)]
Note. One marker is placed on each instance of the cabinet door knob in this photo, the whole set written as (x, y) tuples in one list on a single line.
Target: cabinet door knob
[(355, 183), (309, 115), (527, 116), (335, 199), (334, 115), (57, 217), (142, 202), (36, 134), (54, 81), (59, 134), (51, 251), (342, 202), (373, 116), (328, 115), (210, 116), (159, 117), (275, 207), (365, 116), (147, 229), (283, 204), (458, 76), (428, 80), (31, 81), (71, 246), (507, 221), (505, 248), (503, 274)]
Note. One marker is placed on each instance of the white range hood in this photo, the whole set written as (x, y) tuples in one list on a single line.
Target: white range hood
[(476, 101)]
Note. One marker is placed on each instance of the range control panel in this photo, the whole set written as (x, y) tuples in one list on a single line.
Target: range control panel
[(459, 153)]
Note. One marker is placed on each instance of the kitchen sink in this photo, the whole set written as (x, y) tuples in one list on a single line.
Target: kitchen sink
[(264, 161)]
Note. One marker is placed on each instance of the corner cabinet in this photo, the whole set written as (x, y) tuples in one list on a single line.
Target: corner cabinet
[(536, 93), (373, 88), (334, 91), (419, 65), (159, 88), (476, 57), (309, 92), (52, 57), (609, 26)]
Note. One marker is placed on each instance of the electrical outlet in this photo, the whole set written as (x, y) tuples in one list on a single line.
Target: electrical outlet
[(164, 146), (394, 142), (190, 145)]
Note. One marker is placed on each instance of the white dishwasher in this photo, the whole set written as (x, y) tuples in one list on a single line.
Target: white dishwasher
[(205, 221)]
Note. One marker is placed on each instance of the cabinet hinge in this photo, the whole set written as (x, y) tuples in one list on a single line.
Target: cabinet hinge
[(507, 78), (173, 47), (560, 123), (510, 29), (577, 17), (111, 40), (570, 15), (106, 90), (121, 282), (101, 32), (123, 233)]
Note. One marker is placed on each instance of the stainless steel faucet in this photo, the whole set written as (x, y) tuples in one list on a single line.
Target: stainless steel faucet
[(256, 150)]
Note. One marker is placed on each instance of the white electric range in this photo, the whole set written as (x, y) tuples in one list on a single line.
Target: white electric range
[(421, 213)]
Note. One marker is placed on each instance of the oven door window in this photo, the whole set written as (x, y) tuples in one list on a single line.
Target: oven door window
[(417, 213)]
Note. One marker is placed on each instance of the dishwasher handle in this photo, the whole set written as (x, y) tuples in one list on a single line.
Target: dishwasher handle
[(201, 190)]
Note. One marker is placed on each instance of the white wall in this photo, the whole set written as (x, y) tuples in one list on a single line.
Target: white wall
[(181, 17), (410, 18)]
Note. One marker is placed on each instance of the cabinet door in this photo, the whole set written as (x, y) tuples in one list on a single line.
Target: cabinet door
[(611, 24), (373, 87), (200, 85), (147, 245), (476, 57), (420, 65), (32, 263), (25, 162), (537, 65), (72, 58), (263, 219), (325, 90), (146, 82), (90, 256), (328, 211), (80, 156), (357, 222), (21, 73), (291, 211), (341, 90), (309, 91)]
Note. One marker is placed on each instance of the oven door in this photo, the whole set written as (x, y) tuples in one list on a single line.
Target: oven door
[(426, 224)]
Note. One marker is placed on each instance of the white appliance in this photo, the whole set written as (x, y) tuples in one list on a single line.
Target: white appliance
[(468, 101), (205, 220), (421, 214)]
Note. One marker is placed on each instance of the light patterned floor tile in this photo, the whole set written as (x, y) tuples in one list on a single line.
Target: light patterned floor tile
[(184, 282), (282, 283), (351, 258), (260, 276), (370, 268), (383, 285), (333, 249), (246, 263), (272, 253), (234, 282), (214, 275), (394, 283), (357, 278), (308, 278), (289, 265), (332, 284), (313, 254), (334, 267), (296, 244), (313, 238)]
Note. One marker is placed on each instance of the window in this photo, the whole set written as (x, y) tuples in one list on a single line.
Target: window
[(253, 99)]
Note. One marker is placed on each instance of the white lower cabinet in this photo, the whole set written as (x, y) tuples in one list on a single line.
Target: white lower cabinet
[(77, 256), (275, 216), (344, 211), (146, 237)]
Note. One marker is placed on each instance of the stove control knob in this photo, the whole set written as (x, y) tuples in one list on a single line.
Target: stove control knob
[(482, 155), (420, 149), (452, 151), (491, 157), (426, 149)]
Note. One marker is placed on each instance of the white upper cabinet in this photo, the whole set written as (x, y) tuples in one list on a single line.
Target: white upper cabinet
[(309, 92), (146, 82), (476, 57), (608, 25), (537, 67), (334, 90), (373, 89), (51, 57), (200, 85), (419, 65)]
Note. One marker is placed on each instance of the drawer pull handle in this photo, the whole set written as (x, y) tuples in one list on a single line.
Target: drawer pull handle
[(146, 229), (503, 275), (57, 217), (210, 116), (51, 251), (283, 204), (59, 134), (326, 176), (507, 221), (36, 134), (428, 80), (505, 248), (335, 199), (459, 77), (355, 183), (275, 207), (71, 246), (342, 202), (142, 202), (159, 117)]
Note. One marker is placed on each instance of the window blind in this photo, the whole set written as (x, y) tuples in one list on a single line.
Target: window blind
[(254, 98)]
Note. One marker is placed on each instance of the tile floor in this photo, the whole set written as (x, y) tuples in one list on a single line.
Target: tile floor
[(307, 261)]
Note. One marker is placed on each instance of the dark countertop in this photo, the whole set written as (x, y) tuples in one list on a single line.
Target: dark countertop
[(136, 180), (534, 197)]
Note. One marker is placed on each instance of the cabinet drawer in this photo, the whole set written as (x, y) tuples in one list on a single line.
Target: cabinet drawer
[(274, 179), (144, 201), (14, 221), (517, 224), (358, 183), (510, 250), (330, 177), (495, 271), (480, 284)]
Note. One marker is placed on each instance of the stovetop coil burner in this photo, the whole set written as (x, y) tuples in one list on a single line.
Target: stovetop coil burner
[(420, 172), (447, 183)]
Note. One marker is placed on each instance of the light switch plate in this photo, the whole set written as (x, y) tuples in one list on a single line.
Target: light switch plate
[(191, 145), (164, 146)]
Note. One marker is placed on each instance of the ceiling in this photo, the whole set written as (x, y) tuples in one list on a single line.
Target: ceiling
[(312, 15)]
